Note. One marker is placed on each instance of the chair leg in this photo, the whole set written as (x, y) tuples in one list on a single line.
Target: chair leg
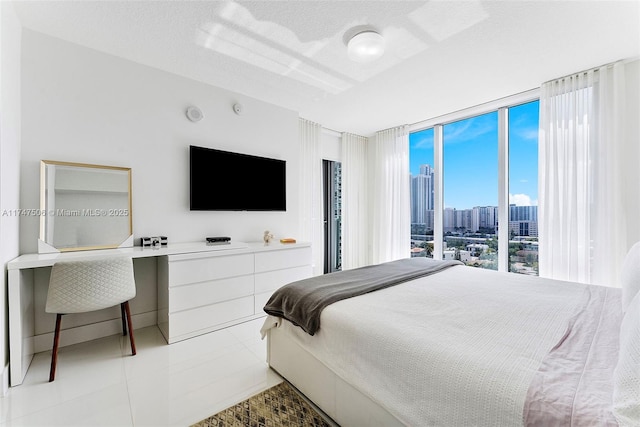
[(124, 324), (131, 339), (54, 353)]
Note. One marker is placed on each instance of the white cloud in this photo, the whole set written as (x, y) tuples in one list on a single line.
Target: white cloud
[(521, 200), (530, 134), (469, 129)]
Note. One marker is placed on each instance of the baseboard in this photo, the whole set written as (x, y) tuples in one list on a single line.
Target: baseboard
[(93, 331)]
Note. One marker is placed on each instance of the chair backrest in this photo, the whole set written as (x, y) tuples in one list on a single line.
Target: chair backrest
[(81, 286)]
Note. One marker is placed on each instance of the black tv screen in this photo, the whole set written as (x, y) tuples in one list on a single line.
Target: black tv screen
[(226, 181)]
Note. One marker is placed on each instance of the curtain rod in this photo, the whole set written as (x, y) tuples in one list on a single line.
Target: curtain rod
[(595, 69), (332, 132), (518, 98)]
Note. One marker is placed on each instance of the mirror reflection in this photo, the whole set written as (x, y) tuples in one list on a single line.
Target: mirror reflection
[(84, 207)]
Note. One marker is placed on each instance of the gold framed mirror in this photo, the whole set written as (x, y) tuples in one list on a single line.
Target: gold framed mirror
[(84, 207)]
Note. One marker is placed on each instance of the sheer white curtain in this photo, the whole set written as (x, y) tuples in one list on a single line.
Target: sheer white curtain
[(311, 219), (355, 214), (389, 194), (581, 214)]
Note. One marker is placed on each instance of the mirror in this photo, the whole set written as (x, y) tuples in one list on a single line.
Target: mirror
[(84, 207)]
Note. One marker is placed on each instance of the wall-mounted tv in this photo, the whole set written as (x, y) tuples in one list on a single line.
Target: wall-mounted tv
[(227, 181)]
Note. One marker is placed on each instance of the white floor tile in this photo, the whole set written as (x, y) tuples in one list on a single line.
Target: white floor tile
[(107, 407), (248, 331), (99, 383)]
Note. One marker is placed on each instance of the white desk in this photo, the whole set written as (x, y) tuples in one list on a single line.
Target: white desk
[(21, 287)]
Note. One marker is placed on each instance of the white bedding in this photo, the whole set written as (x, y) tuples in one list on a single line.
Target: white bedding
[(457, 348), (574, 384)]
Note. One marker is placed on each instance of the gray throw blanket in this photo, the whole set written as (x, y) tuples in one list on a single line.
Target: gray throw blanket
[(302, 302)]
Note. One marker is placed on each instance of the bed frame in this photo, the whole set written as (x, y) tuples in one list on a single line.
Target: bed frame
[(339, 400)]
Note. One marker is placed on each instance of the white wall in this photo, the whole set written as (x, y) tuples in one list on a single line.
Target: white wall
[(331, 146), (10, 33), (81, 105)]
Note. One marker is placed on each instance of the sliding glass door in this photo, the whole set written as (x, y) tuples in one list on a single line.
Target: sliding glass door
[(332, 178)]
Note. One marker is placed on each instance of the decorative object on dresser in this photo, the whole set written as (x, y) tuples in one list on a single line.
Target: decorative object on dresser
[(90, 285), (154, 242), (218, 240), (268, 237)]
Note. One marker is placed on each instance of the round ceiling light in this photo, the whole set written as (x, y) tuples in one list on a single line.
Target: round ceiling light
[(366, 46)]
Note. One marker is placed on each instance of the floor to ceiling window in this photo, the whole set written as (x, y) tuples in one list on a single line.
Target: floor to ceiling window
[(470, 216), (469, 171), (422, 193), (523, 188)]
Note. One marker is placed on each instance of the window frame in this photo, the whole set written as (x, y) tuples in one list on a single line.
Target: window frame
[(502, 106)]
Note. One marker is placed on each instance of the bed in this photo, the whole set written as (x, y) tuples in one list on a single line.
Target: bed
[(459, 346)]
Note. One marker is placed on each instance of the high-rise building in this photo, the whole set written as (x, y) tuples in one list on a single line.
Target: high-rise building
[(523, 220), (523, 213), (421, 194), (429, 220), (427, 171), (449, 219), (484, 217)]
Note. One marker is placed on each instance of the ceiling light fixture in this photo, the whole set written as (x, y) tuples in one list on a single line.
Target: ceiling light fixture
[(366, 46)]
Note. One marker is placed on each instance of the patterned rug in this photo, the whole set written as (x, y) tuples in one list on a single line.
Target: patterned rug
[(279, 406)]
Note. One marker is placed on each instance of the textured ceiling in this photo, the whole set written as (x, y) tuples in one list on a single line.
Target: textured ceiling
[(441, 56)]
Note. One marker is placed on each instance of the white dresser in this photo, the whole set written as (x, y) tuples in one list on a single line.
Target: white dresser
[(204, 291)]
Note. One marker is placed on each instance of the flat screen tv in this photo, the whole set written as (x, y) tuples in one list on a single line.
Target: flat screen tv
[(227, 181)]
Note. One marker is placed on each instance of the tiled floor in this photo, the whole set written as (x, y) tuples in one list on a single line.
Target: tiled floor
[(99, 383)]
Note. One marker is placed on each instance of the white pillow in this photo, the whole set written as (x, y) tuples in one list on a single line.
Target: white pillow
[(626, 377), (630, 276)]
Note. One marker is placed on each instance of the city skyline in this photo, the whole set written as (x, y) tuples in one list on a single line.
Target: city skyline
[(471, 158)]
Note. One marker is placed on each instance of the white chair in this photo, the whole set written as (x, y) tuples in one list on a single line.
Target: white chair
[(82, 286)]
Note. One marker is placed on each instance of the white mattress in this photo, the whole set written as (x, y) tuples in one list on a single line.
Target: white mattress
[(457, 348)]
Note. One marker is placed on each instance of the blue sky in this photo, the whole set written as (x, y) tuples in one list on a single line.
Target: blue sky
[(471, 158)]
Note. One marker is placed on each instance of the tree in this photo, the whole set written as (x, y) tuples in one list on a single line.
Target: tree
[(428, 248)]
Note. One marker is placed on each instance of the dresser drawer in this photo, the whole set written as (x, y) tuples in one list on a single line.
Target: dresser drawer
[(261, 300), (207, 317), (272, 280), (210, 292), (267, 283), (206, 269), (280, 259)]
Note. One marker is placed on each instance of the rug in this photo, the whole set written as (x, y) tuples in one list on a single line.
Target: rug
[(279, 406)]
